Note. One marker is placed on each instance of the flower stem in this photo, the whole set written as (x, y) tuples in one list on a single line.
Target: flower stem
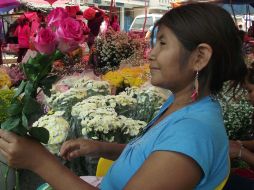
[(17, 187), (6, 178)]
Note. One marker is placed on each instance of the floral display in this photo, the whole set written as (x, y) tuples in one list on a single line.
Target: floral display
[(58, 129), (116, 118), (113, 47), (5, 80)]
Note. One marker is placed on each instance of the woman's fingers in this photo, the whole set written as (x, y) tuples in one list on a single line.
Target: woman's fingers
[(68, 147), (7, 136), (74, 154)]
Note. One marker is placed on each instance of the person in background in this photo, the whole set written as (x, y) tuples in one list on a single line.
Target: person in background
[(185, 146), (251, 30), (23, 33), (95, 17), (243, 149), (114, 23)]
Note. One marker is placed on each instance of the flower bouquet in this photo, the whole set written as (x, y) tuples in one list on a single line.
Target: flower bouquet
[(113, 47), (58, 129), (62, 34), (148, 100)]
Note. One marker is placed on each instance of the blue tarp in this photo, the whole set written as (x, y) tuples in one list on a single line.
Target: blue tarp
[(242, 9)]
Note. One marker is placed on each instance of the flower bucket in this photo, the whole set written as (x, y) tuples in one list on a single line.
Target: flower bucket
[(9, 182)]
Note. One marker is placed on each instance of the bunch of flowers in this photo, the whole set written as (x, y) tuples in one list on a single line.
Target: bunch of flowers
[(62, 33), (64, 101), (58, 129), (104, 124), (116, 118), (5, 80), (128, 76), (149, 102), (81, 90), (113, 47), (237, 113)]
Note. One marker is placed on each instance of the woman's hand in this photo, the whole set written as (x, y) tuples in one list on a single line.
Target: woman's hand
[(21, 152), (234, 149), (79, 147)]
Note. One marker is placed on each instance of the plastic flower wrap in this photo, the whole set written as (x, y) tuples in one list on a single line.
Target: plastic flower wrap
[(93, 87), (6, 96), (5, 80), (64, 101), (58, 129)]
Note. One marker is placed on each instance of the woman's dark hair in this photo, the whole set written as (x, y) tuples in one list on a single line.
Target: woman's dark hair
[(198, 23)]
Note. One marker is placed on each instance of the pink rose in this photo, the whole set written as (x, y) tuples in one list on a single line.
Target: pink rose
[(45, 41), (56, 16), (69, 34)]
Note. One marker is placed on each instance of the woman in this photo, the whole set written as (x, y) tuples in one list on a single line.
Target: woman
[(243, 150), (185, 146), (23, 33)]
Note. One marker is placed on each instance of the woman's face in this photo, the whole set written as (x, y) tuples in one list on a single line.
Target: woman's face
[(250, 88), (168, 70)]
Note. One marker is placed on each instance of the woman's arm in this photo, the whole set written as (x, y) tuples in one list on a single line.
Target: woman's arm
[(28, 154), (241, 150), (248, 144), (166, 170), (84, 147)]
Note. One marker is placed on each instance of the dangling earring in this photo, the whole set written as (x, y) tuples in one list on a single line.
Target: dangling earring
[(194, 95)]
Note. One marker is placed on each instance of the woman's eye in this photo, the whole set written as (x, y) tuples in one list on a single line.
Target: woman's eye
[(162, 43)]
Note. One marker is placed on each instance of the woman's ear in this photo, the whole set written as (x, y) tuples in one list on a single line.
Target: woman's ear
[(202, 56)]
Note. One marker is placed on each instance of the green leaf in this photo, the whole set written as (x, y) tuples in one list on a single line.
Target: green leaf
[(46, 84), (20, 89), (20, 130), (30, 71), (15, 109), (57, 55), (29, 88), (31, 106), (24, 121), (10, 123), (40, 133)]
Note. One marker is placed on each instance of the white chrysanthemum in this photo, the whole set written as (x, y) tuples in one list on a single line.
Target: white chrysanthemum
[(58, 129)]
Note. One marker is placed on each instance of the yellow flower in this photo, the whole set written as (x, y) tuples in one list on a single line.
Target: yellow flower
[(4, 79), (114, 78), (129, 76)]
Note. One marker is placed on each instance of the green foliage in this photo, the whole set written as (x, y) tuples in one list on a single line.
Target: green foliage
[(24, 107)]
